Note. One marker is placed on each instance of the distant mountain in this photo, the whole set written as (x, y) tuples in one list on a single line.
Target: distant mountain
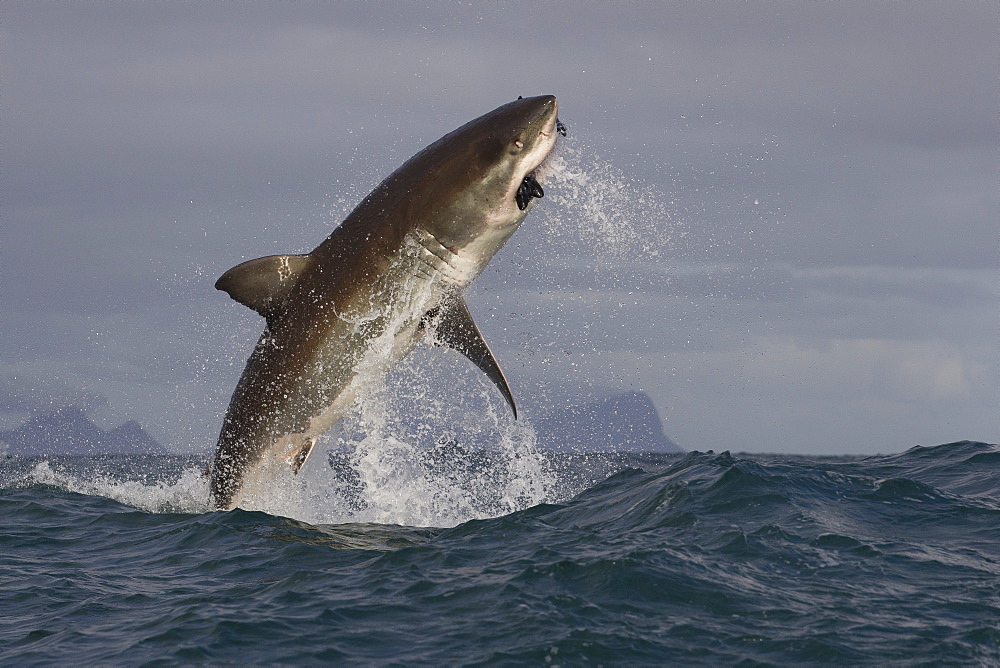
[(622, 423), (69, 431)]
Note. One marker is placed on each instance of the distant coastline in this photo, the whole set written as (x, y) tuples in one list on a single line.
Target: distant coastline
[(68, 431), (627, 422)]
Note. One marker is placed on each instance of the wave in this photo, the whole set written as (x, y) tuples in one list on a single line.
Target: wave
[(702, 557)]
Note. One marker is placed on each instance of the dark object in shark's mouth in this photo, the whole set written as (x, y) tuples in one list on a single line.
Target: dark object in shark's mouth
[(528, 189), (561, 127)]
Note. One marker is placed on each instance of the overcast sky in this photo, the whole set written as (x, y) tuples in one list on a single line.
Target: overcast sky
[(780, 220)]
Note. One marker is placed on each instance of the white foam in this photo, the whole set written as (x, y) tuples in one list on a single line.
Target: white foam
[(383, 465), (187, 494)]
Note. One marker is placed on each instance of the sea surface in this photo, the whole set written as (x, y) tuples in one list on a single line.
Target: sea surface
[(497, 558)]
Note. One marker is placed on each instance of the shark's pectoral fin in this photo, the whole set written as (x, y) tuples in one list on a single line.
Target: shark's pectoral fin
[(262, 284), (298, 456), (453, 327)]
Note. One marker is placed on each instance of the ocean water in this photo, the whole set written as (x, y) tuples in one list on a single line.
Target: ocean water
[(534, 558)]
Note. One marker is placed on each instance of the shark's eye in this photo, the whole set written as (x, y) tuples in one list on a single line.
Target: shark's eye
[(518, 144)]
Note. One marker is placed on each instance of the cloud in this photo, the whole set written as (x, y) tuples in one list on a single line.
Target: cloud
[(947, 289), (805, 187), (899, 371)]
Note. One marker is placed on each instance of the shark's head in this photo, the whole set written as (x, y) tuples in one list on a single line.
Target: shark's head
[(510, 143), (526, 130), (480, 181)]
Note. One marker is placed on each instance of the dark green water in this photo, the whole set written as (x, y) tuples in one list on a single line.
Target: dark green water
[(697, 558)]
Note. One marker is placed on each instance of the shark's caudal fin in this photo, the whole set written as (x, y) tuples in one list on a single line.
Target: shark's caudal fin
[(263, 283), (454, 327)]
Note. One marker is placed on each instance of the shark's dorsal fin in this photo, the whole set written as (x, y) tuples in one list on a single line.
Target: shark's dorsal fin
[(453, 327), (262, 284)]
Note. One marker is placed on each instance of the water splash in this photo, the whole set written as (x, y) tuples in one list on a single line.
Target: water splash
[(186, 493), (418, 452), (599, 205)]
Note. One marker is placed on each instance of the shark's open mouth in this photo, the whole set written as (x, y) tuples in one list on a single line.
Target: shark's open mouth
[(529, 188)]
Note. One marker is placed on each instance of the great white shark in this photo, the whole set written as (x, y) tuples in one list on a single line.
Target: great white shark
[(340, 317)]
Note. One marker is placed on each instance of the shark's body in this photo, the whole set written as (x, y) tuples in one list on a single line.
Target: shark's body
[(341, 316)]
